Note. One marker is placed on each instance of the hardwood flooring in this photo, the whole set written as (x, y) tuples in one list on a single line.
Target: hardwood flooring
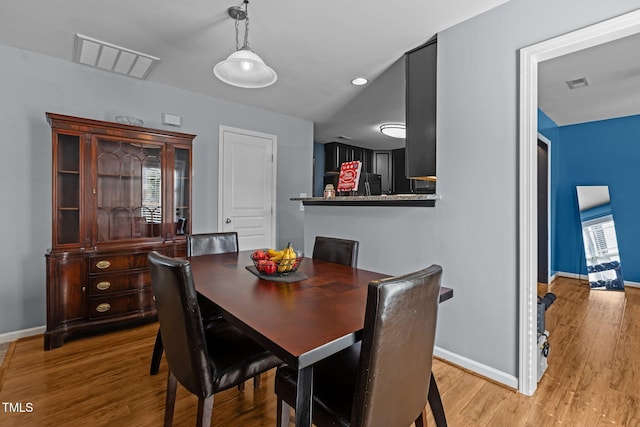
[(593, 377)]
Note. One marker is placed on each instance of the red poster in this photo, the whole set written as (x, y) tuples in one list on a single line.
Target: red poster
[(349, 176)]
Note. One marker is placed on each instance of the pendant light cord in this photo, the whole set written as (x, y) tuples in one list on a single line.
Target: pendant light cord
[(246, 27)]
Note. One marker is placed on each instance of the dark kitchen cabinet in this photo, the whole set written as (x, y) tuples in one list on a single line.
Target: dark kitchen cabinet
[(421, 67), (336, 153), (400, 183)]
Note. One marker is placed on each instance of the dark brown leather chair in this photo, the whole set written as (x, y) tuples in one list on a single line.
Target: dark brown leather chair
[(204, 360), (340, 251), (202, 244), (384, 379)]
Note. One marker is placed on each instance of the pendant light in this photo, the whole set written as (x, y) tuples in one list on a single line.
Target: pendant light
[(243, 68)]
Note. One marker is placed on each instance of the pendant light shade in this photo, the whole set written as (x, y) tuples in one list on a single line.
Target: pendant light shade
[(244, 68)]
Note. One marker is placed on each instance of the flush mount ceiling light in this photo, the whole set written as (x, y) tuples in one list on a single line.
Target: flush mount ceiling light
[(394, 130), (109, 57), (578, 83), (359, 81), (243, 68)]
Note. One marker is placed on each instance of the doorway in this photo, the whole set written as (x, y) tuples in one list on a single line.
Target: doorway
[(247, 186), (593, 35)]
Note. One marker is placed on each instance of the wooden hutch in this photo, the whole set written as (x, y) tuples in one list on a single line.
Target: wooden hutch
[(119, 191)]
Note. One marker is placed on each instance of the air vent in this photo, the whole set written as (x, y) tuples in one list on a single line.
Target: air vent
[(346, 138), (578, 83), (109, 57)]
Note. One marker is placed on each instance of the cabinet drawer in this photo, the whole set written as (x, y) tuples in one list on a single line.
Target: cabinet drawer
[(108, 263), (106, 284), (120, 305)]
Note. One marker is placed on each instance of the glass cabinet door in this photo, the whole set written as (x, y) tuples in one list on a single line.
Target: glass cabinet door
[(181, 191), (128, 190), (67, 199)]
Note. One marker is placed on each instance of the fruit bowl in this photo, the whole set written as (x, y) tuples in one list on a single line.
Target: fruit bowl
[(275, 266)]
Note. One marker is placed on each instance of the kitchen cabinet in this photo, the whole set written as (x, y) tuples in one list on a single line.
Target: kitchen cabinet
[(336, 153), (421, 71), (119, 192), (400, 184)]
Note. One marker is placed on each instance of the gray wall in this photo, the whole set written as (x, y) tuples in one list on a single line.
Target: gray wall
[(32, 84), (476, 227), (472, 231)]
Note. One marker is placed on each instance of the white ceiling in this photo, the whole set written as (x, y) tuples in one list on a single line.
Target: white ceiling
[(316, 47), (613, 72)]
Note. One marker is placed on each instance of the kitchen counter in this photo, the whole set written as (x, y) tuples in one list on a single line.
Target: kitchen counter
[(425, 200)]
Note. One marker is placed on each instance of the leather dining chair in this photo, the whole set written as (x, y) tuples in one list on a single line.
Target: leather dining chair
[(384, 379), (204, 360), (201, 244), (340, 251)]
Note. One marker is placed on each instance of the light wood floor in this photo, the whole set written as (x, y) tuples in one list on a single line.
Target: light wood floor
[(593, 377)]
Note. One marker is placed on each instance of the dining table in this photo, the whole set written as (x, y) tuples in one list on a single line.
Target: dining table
[(302, 321)]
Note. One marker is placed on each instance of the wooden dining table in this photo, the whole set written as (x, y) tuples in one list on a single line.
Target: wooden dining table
[(301, 322)]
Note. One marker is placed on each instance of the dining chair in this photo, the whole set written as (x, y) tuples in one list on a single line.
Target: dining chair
[(204, 360), (201, 244), (331, 249), (384, 379)]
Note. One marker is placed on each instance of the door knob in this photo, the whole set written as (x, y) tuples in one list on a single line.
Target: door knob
[(228, 220)]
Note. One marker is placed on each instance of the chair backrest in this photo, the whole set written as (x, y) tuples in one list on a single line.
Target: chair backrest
[(180, 323), (397, 349), (212, 243), (340, 251)]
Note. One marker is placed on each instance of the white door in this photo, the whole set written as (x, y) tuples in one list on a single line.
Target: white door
[(246, 197)]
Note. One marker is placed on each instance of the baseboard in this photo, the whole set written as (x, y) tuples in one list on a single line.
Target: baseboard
[(628, 283), (476, 367), (571, 275), (12, 336)]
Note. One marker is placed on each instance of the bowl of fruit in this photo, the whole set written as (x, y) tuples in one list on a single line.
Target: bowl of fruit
[(272, 262)]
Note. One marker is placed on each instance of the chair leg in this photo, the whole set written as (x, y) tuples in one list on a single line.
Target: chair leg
[(205, 410), (157, 355), (256, 381), (283, 413), (421, 421), (172, 386), (435, 402)]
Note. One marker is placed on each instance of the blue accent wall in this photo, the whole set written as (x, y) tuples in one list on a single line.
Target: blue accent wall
[(604, 152)]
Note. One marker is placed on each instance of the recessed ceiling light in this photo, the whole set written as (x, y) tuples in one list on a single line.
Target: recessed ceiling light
[(394, 130), (578, 83), (359, 81)]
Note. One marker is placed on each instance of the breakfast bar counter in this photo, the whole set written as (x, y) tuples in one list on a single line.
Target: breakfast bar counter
[(424, 200)]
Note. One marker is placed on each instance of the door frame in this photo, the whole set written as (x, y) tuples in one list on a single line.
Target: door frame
[(274, 170), (547, 141), (603, 32)]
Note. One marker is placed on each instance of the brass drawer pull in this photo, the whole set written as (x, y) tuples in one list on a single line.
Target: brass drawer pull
[(104, 307), (103, 286), (103, 264)]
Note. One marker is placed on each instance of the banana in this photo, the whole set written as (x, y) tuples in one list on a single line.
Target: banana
[(275, 255), (288, 258)]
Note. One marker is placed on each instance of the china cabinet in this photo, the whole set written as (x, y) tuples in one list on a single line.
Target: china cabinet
[(119, 191)]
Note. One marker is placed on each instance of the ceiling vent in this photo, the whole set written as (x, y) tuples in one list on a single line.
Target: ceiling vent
[(109, 57), (578, 83)]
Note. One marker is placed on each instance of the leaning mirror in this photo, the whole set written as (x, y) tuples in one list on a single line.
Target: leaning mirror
[(599, 236)]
